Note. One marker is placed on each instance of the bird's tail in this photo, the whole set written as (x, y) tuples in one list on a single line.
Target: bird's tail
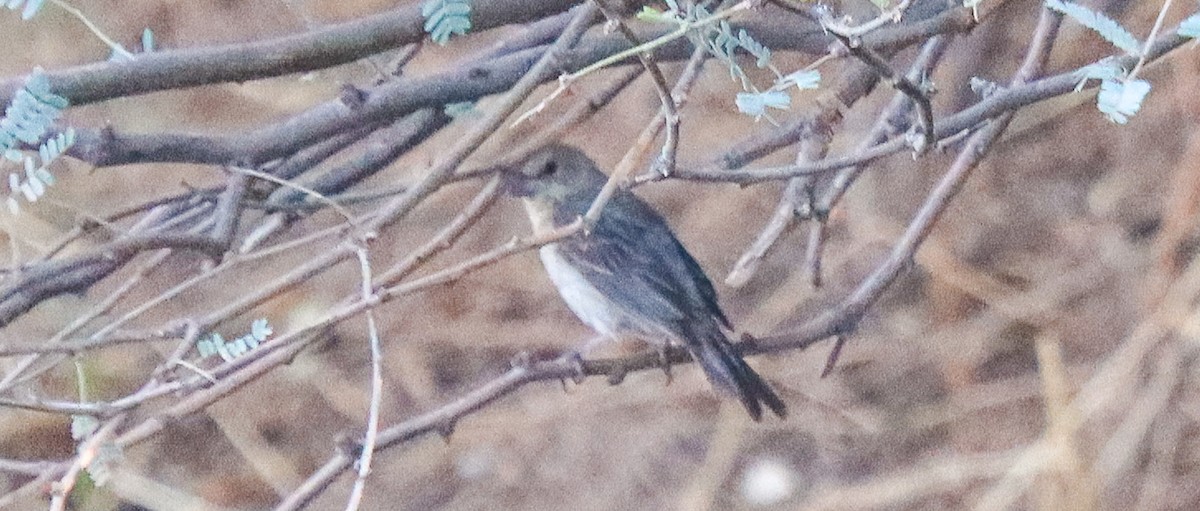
[(730, 374)]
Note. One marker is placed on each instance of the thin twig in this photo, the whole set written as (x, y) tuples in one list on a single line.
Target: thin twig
[(902, 83), (844, 318), (364, 460), (1158, 22), (565, 81), (347, 215), (668, 114), (444, 238), (88, 453), (665, 165), (893, 15)]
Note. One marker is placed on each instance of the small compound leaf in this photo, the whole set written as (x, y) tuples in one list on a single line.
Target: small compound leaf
[(1109, 29), (1120, 100), (1190, 27), (803, 80), (757, 103)]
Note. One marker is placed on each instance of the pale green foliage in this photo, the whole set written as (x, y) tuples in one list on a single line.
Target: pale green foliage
[(120, 54), (722, 42), (32, 113), (1119, 99), (1190, 27), (1121, 94), (82, 426), (1105, 69), (460, 110), (1108, 28), (757, 103), (973, 5), (229, 350), (444, 18), (147, 40), (28, 8), (804, 79)]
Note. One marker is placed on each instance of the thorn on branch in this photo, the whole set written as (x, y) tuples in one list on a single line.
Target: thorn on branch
[(617, 376), (834, 354), (747, 343), (445, 429), (347, 445), (587, 225)]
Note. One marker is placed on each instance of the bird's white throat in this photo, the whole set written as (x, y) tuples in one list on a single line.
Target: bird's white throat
[(541, 215)]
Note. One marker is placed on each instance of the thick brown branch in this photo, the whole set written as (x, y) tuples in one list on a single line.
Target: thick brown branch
[(467, 83), (240, 62)]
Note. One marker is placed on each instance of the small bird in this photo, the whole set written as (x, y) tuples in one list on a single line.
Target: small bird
[(629, 275)]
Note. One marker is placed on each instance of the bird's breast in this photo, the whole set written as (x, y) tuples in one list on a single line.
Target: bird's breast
[(587, 302)]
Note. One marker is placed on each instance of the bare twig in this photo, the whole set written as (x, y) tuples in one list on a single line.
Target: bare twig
[(324, 47), (665, 164), (892, 15), (88, 452), (368, 450), (668, 114), (843, 319), (903, 84), (1158, 22)]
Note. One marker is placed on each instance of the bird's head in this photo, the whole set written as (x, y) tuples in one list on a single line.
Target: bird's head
[(556, 175)]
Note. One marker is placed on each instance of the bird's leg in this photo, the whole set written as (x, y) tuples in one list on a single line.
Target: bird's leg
[(665, 361), (662, 350), (575, 358), (576, 361)]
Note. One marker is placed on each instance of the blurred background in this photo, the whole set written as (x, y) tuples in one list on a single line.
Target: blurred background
[(1039, 354)]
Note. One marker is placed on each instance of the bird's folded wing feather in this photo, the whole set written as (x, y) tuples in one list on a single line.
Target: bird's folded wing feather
[(632, 254)]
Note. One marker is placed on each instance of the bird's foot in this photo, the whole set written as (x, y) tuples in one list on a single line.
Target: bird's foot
[(664, 362), (575, 360), (521, 360)]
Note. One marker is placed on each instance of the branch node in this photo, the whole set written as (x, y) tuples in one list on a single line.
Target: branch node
[(587, 225), (617, 376), (352, 96), (445, 429), (347, 445), (520, 361), (746, 343), (108, 134)]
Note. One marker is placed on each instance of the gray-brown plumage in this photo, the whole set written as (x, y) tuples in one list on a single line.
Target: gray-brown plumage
[(630, 275)]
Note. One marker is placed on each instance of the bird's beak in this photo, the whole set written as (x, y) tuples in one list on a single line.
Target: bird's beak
[(515, 183)]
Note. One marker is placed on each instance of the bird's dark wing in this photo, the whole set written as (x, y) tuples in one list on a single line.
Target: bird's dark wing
[(632, 256)]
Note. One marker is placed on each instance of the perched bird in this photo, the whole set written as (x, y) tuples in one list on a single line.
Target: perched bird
[(629, 275)]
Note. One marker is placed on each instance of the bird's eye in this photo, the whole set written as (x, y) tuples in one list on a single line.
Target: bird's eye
[(549, 169)]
